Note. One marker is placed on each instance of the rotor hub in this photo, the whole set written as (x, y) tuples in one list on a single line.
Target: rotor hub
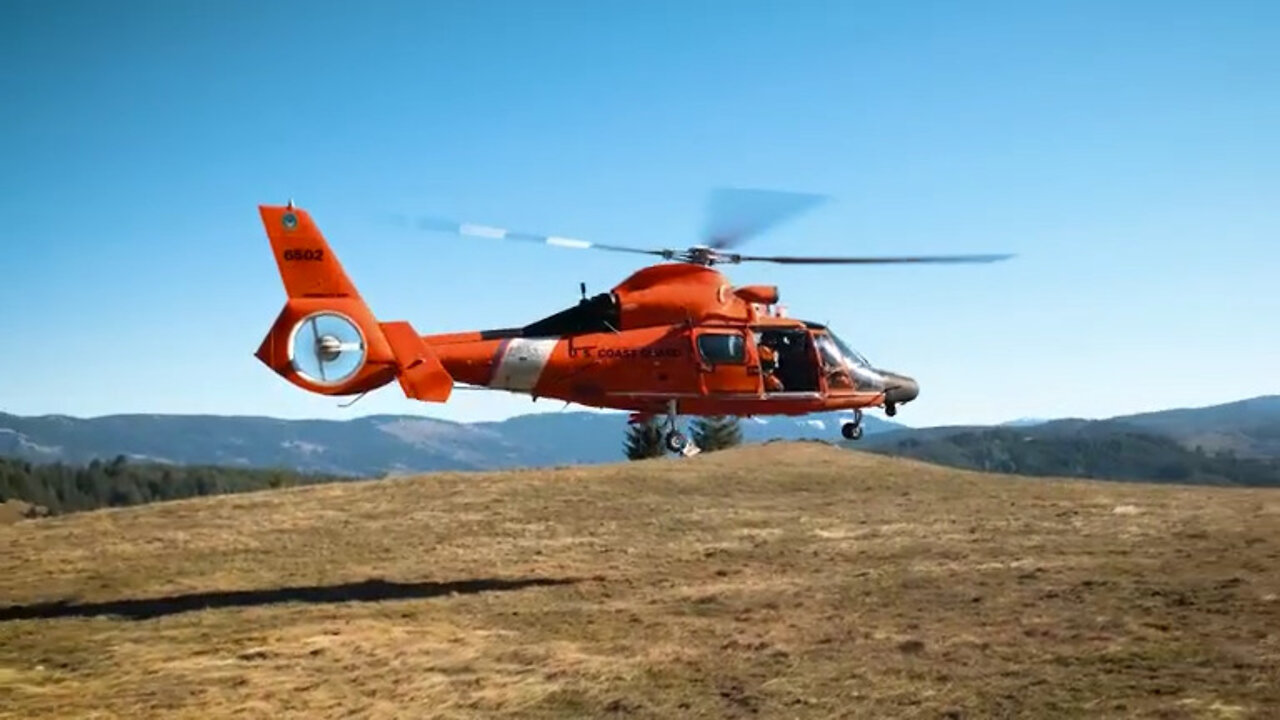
[(328, 348)]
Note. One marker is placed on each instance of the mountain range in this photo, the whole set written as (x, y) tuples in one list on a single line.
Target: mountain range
[(367, 446), (1235, 443), (1181, 443)]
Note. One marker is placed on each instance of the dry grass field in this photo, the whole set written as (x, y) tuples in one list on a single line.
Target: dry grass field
[(787, 580)]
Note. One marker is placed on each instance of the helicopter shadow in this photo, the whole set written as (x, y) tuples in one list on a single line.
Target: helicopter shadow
[(374, 590)]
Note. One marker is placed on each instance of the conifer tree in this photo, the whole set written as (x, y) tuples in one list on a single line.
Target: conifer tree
[(716, 432), (644, 439)]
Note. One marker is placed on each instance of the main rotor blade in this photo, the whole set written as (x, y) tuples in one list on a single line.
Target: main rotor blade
[(734, 215), (491, 232), (793, 260)]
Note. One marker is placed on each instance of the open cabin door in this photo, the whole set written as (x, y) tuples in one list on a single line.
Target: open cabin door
[(789, 362), (727, 361)]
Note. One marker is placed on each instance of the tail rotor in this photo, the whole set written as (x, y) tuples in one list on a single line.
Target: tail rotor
[(327, 348)]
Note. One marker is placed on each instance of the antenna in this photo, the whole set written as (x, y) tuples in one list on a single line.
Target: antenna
[(582, 288)]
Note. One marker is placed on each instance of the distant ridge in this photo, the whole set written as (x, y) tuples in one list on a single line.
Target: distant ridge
[(1024, 422), (373, 445), (1235, 443), (378, 445)]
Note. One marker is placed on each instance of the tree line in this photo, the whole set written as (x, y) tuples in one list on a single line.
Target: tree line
[(710, 433), (61, 488), (1115, 455), (57, 488)]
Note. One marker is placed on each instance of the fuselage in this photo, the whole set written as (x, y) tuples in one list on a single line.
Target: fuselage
[(675, 332), (708, 369)]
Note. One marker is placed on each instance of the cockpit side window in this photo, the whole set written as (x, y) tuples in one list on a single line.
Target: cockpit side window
[(831, 357)]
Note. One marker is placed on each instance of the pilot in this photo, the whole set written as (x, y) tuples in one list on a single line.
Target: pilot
[(838, 377)]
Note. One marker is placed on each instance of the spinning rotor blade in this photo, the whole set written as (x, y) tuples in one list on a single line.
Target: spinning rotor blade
[(735, 215), (315, 347), (496, 233), (792, 260)]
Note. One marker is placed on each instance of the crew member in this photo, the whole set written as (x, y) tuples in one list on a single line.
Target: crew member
[(769, 366)]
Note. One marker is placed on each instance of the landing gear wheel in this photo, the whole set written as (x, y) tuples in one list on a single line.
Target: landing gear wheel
[(890, 409), (851, 431), (676, 441)]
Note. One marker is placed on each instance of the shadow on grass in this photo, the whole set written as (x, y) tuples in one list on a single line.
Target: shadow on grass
[(367, 591)]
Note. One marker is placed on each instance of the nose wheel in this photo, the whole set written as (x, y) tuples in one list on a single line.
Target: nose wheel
[(852, 429)]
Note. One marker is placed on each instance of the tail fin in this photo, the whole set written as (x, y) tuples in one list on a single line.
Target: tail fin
[(326, 340), (307, 265)]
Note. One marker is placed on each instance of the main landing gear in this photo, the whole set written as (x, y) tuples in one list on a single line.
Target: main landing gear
[(676, 441), (852, 429)]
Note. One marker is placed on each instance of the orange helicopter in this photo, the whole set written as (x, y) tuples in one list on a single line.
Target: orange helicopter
[(673, 338)]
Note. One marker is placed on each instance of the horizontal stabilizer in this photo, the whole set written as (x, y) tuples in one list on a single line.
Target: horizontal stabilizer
[(419, 371)]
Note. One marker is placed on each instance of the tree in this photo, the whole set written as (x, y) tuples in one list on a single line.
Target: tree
[(644, 439), (716, 432), (66, 488)]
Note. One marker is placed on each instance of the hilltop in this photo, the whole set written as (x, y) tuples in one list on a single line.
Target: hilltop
[(789, 579)]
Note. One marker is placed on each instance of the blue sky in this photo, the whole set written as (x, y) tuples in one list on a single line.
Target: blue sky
[(1128, 152)]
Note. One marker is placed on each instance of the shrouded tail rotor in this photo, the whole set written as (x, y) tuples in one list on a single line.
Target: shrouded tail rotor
[(327, 348)]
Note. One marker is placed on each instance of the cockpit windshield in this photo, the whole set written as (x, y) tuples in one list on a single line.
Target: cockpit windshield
[(845, 368), (853, 356)]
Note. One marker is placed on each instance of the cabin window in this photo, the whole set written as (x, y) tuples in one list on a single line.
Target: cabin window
[(722, 349)]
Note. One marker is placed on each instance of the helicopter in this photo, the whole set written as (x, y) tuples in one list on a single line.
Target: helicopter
[(675, 337)]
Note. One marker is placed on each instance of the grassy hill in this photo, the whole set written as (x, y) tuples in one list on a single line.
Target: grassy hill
[(784, 580)]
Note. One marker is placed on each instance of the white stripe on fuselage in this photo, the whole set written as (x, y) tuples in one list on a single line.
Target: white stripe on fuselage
[(522, 363)]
